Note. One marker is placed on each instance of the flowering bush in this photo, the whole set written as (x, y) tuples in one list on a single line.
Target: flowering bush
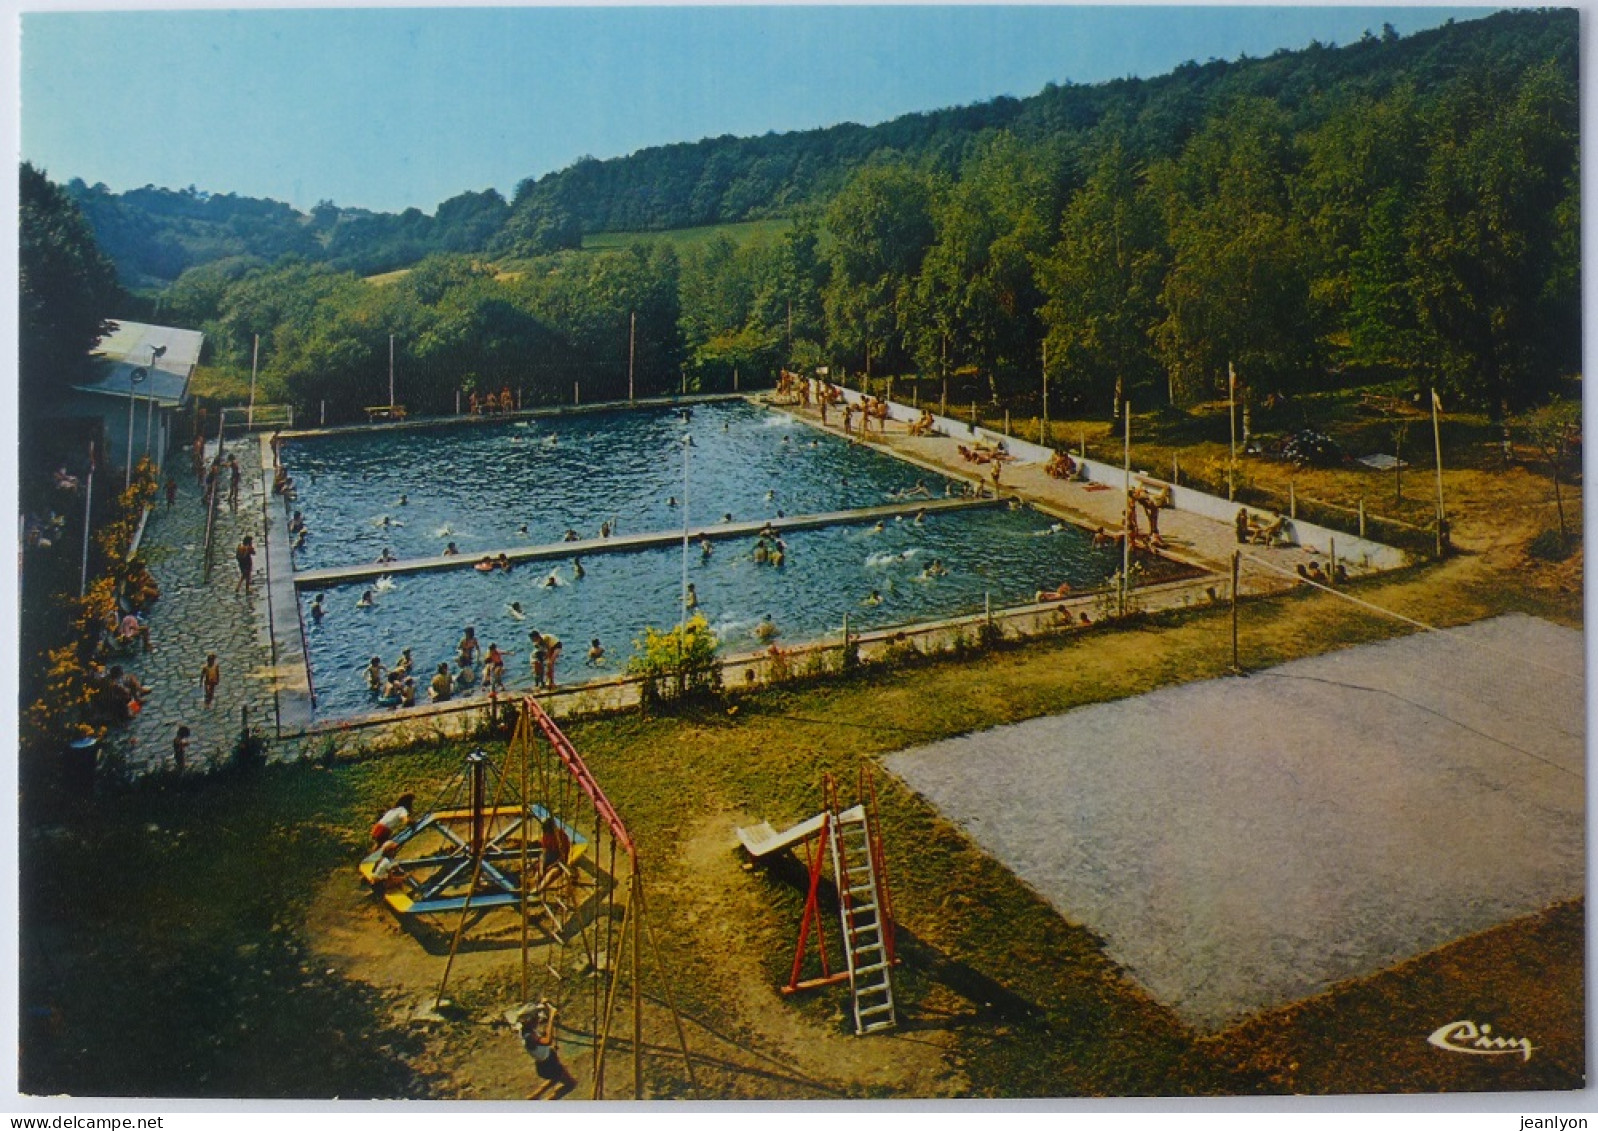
[(679, 664)]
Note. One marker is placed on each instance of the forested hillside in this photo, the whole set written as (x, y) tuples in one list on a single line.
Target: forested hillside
[(154, 234), (1398, 207)]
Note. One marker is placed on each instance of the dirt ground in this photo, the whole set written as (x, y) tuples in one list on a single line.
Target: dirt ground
[(770, 1049)]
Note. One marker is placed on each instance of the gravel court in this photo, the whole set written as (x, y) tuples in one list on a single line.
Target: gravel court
[(1246, 842)]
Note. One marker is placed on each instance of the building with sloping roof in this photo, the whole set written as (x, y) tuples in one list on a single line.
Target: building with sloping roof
[(151, 365)]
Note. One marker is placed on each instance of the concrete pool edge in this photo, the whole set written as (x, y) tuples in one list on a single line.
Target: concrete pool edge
[(1030, 621)]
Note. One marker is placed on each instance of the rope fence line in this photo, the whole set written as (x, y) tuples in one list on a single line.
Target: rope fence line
[(1443, 632)]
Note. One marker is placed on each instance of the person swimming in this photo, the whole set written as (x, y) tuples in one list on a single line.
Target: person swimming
[(935, 568), (522, 530), (705, 547), (879, 527), (553, 580), (374, 675), (485, 565), (671, 500), (690, 598), (767, 629), (578, 572), (604, 529), (569, 536), (317, 611), (596, 653), (451, 551), (386, 556), (367, 600), (403, 500), (502, 563), (404, 664), (515, 610), (384, 584), (872, 599)]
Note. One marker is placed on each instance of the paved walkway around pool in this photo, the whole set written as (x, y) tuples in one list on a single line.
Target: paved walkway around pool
[(1244, 843), (194, 617), (1190, 537)]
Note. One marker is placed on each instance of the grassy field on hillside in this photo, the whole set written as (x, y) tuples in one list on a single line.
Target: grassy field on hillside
[(749, 231)]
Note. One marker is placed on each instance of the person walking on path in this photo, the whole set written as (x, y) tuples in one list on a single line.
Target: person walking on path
[(245, 555), (234, 475), (180, 749), (197, 459), (171, 490), (210, 676)]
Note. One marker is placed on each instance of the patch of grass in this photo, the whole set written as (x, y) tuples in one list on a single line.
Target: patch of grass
[(745, 232)]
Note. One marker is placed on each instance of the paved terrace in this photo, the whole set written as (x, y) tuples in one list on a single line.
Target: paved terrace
[(194, 617), (1191, 538)]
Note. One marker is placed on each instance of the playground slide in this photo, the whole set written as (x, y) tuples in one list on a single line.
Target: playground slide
[(762, 840)]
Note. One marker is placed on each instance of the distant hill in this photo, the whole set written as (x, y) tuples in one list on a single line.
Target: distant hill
[(154, 234)]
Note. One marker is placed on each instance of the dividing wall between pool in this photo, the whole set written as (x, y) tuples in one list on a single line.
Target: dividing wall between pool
[(341, 575)]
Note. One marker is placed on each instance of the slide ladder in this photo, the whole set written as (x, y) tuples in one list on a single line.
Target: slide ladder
[(866, 947)]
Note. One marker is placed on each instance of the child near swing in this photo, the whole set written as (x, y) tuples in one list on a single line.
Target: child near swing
[(538, 1038)]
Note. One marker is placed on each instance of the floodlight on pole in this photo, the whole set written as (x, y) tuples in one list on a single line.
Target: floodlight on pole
[(135, 376)]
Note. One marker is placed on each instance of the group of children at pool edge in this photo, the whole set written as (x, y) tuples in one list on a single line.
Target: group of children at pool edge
[(396, 687)]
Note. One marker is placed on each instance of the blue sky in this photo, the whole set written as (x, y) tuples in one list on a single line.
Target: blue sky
[(388, 108)]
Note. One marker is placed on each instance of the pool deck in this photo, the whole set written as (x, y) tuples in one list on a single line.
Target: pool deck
[(1190, 538), (343, 575)]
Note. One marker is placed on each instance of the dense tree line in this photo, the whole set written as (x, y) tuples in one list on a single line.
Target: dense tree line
[(67, 289), (155, 234), (1393, 207)]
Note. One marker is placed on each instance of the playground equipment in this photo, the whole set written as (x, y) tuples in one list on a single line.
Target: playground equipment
[(535, 835), (469, 850), (851, 839)]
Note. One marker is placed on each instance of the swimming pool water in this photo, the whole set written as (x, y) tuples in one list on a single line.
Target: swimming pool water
[(477, 484), (828, 572)]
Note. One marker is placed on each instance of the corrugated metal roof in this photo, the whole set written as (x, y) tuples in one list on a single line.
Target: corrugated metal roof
[(127, 347)]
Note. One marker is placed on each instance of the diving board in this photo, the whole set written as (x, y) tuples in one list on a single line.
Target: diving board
[(762, 840)]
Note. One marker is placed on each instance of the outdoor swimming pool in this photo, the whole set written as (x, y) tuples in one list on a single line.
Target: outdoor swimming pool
[(1003, 554), (477, 484)]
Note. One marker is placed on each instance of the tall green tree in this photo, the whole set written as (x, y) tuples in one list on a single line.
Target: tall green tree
[(1492, 243), (881, 225), (976, 289), (1101, 284), (1238, 290), (66, 291)]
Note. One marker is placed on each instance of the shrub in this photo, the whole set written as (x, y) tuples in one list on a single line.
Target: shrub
[(677, 666), (1549, 546)]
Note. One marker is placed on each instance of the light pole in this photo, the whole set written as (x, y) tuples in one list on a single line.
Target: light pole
[(135, 376), (682, 617)]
